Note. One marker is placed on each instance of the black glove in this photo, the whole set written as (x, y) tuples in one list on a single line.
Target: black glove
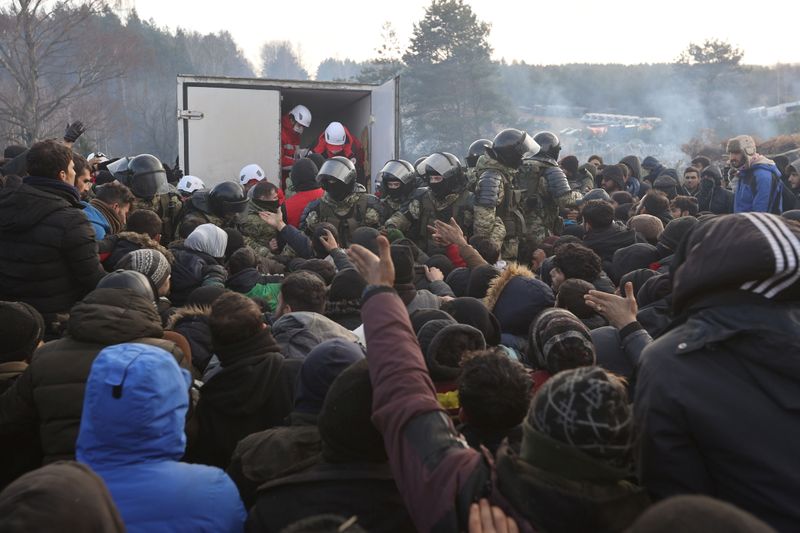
[(74, 131)]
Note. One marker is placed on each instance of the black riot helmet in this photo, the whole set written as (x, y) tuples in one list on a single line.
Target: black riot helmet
[(447, 166), (510, 145), (398, 170), (477, 149), (227, 198), (128, 279), (146, 176), (549, 145), (337, 177)]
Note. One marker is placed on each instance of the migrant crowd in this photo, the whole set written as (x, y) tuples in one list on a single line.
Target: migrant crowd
[(516, 342)]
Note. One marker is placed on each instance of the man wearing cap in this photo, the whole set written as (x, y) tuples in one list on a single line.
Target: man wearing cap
[(758, 187)]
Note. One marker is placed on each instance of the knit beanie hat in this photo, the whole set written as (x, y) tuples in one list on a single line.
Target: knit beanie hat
[(235, 241), (347, 284), (420, 317), (480, 278), (429, 329), (674, 232), (559, 341), (21, 328), (458, 280), (345, 422), (446, 348), (587, 409), (588, 168), (149, 262), (650, 163), (204, 296), (472, 312), (320, 368), (665, 183), (633, 257), (441, 262), (613, 173), (695, 513), (403, 260), (595, 194), (366, 237), (304, 175)]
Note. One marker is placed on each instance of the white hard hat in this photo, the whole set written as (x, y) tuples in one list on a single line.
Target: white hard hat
[(251, 172), (301, 114), (334, 134), (190, 184), (97, 155)]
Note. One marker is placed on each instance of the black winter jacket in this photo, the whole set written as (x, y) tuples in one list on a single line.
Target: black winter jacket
[(48, 254), (718, 407), (50, 391)]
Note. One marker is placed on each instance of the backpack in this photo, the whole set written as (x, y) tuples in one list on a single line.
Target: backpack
[(783, 200)]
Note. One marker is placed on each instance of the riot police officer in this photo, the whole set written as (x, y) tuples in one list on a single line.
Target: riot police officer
[(345, 204), (496, 192), (146, 177), (476, 150), (224, 205), (546, 187), (398, 186), (447, 197)]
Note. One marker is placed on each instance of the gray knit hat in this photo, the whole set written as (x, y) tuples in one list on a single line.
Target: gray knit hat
[(149, 262)]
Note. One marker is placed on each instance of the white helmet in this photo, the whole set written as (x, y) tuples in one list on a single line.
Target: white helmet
[(335, 135), (301, 115), (251, 172), (97, 155), (190, 184)]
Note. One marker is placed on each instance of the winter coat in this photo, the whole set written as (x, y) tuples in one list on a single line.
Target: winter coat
[(297, 204), (254, 391), (20, 452), (365, 490), (192, 322), (718, 406), (620, 351), (114, 247), (49, 393), (711, 196), (290, 143), (274, 453), (193, 269), (134, 440), (439, 477), (254, 284), (298, 333), (606, 241), (755, 191), (48, 254)]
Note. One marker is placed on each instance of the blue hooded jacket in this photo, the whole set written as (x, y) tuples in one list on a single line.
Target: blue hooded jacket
[(132, 435), (99, 223), (754, 188)]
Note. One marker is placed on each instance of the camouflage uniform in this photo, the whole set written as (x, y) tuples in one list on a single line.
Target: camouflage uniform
[(358, 209), (197, 205), (391, 206), (255, 231), (507, 206), (546, 191), (414, 221), (167, 207)]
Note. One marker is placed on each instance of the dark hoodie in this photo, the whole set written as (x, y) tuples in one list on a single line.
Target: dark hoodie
[(48, 254), (737, 323), (606, 241), (712, 196), (253, 391), (63, 496), (635, 185)]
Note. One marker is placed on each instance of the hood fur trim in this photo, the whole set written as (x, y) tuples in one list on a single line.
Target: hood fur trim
[(499, 283)]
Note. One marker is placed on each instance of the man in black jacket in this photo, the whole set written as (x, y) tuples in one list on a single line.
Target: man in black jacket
[(48, 254), (711, 195), (718, 395)]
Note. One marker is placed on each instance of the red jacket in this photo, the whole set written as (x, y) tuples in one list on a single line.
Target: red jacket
[(290, 143), (351, 149), (297, 203)]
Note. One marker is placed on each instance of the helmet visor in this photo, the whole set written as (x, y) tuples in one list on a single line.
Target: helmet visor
[(397, 170), (332, 169), (437, 164)]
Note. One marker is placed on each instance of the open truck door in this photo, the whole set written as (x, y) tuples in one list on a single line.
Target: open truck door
[(228, 129), (227, 123)]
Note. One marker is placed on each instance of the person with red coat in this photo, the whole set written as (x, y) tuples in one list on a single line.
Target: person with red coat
[(293, 124), (304, 180), (337, 140)]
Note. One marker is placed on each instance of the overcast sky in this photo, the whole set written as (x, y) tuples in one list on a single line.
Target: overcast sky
[(568, 31)]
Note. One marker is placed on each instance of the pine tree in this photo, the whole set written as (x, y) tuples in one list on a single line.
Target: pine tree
[(450, 84)]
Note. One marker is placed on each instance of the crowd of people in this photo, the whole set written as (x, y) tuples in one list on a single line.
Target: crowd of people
[(515, 341)]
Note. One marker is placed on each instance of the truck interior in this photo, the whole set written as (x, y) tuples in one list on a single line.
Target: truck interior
[(350, 107)]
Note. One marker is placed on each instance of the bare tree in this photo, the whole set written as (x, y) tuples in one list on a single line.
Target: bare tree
[(48, 59)]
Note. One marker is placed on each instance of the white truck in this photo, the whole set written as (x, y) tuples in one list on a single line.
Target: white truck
[(227, 123)]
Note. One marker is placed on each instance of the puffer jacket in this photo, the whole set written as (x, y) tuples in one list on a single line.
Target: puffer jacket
[(193, 269), (48, 254), (298, 333), (49, 393), (133, 437)]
